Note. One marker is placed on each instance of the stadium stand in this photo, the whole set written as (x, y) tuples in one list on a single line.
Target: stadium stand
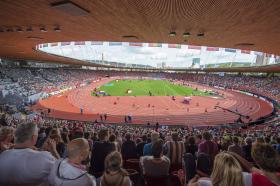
[(40, 148)]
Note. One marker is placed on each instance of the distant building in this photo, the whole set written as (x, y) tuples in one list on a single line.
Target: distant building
[(161, 65)]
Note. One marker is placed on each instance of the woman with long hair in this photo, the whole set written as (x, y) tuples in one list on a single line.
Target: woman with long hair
[(114, 174), (226, 172)]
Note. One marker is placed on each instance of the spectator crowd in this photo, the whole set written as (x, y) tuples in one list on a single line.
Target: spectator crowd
[(44, 151), (25, 82), (60, 152)]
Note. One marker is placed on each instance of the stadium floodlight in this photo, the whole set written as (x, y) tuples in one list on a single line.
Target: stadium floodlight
[(172, 34)]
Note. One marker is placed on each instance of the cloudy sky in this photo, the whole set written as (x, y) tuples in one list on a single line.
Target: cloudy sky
[(145, 55)]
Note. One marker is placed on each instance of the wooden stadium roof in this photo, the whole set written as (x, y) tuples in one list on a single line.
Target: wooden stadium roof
[(243, 24)]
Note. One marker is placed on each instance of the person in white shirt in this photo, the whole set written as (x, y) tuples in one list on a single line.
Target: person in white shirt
[(23, 165), (71, 171)]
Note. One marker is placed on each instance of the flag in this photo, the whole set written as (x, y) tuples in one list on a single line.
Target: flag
[(155, 45), (212, 49), (115, 43), (79, 43), (54, 44), (230, 50), (245, 51), (96, 43), (174, 46), (45, 45), (65, 43), (136, 44), (194, 47)]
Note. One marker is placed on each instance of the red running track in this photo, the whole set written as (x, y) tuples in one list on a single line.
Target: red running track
[(162, 109)]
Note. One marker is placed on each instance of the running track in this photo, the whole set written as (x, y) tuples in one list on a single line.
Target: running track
[(152, 109)]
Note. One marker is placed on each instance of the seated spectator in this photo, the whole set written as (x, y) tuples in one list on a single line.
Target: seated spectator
[(157, 164), (100, 150), (268, 161), (128, 148), (140, 146), (114, 173), (226, 172), (174, 149), (147, 151), (6, 138), (71, 171), (191, 147), (247, 149), (207, 146), (23, 165), (235, 147)]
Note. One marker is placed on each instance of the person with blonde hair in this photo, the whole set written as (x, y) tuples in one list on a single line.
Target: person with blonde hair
[(114, 174), (226, 172)]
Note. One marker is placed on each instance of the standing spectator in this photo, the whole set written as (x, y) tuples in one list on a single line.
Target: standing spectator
[(71, 171), (174, 150), (207, 146), (100, 150), (112, 139), (128, 148), (6, 138), (157, 164), (140, 146), (247, 149), (198, 139), (114, 174), (23, 165), (226, 143), (148, 147), (191, 147), (235, 147), (60, 145)]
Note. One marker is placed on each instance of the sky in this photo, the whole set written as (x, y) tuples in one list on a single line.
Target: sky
[(146, 55)]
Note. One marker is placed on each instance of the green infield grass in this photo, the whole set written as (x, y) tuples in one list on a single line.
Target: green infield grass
[(147, 87)]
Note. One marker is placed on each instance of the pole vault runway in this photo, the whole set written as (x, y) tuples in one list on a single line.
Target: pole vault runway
[(201, 111)]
